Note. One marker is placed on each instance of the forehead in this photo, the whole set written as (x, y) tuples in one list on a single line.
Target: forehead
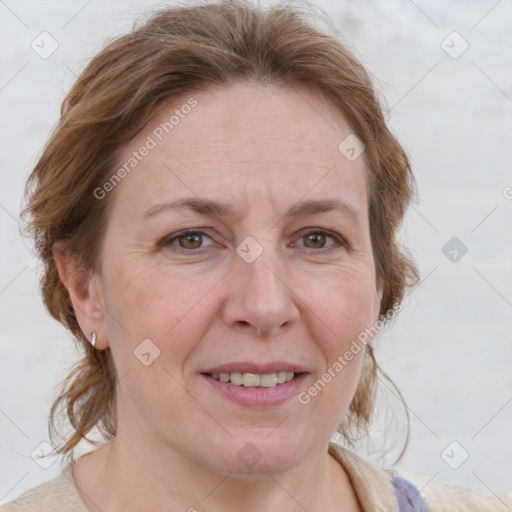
[(256, 115), (241, 139)]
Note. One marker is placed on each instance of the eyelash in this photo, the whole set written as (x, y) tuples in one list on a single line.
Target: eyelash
[(340, 242)]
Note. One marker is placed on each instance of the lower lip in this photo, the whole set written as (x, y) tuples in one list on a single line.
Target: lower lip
[(260, 396)]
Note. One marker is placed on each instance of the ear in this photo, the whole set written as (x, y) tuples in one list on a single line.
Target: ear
[(377, 299), (84, 288)]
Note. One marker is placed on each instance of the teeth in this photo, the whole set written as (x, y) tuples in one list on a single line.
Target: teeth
[(268, 380), (281, 377), (250, 380), (253, 380), (236, 378)]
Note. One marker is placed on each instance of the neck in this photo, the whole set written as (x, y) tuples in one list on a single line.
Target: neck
[(133, 475)]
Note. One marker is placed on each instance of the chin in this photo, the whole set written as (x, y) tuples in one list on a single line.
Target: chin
[(254, 454)]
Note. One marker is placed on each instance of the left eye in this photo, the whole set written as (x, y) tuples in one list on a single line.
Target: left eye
[(318, 239)]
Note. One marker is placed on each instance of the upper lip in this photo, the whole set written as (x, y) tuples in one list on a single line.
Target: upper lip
[(258, 368)]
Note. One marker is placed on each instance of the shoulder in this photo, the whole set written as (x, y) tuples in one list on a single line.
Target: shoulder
[(393, 490), (57, 495), (443, 497)]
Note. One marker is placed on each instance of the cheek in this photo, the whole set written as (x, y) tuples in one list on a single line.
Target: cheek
[(140, 294), (347, 310), (157, 303), (342, 312), (343, 308)]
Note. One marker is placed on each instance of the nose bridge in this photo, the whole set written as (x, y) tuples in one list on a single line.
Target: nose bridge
[(263, 274), (264, 300)]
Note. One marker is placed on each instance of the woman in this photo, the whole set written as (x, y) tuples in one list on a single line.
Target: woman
[(217, 215)]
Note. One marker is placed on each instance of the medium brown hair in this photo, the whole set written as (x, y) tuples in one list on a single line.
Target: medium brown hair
[(177, 50)]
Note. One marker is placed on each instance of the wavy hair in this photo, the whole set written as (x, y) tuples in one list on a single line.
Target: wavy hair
[(173, 51)]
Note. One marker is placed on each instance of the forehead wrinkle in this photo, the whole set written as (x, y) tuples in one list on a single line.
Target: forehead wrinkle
[(252, 160)]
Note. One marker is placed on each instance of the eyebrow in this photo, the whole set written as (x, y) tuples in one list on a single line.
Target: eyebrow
[(211, 208)]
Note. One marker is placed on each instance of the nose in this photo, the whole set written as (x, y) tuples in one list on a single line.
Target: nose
[(261, 302)]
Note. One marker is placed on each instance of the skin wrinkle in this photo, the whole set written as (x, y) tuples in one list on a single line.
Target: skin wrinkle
[(204, 308), (252, 161)]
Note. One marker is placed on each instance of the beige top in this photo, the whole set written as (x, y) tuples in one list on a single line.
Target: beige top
[(372, 485)]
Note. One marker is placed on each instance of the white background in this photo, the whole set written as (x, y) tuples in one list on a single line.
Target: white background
[(449, 351)]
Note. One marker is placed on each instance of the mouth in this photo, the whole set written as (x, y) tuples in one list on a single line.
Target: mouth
[(250, 384), (254, 380)]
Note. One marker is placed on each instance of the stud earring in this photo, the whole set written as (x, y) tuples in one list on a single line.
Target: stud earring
[(93, 340)]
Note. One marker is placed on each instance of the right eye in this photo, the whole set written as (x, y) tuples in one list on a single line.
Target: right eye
[(188, 240)]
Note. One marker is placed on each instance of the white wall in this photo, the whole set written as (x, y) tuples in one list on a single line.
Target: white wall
[(450, 350)]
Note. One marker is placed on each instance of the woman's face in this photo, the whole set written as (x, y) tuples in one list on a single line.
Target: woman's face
[(276, 276)]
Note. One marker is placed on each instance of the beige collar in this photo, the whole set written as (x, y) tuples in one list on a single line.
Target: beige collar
[(373, 486)]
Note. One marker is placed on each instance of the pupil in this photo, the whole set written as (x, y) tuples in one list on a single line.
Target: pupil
[(190, 239), (317, 239)]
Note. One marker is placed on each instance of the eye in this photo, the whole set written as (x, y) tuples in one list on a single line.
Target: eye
[(318, 238), (188, 239)]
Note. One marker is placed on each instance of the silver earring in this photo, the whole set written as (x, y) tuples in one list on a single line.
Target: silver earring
[(93, 340)]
